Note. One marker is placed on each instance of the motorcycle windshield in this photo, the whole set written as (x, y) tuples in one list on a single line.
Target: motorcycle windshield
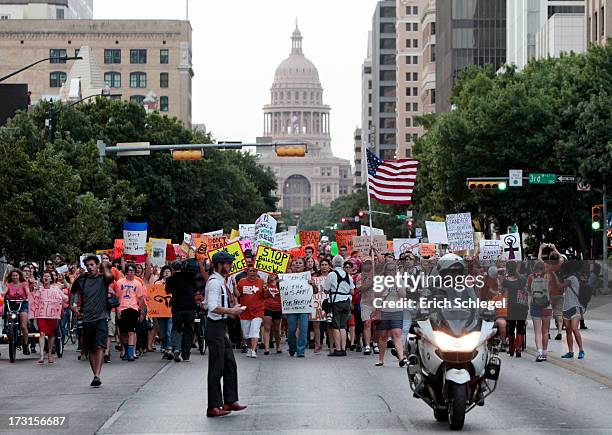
[(459, 315)]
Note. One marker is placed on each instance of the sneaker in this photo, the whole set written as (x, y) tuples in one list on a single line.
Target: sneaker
[(245, 349), (568, 355), (177, 356), (558, 336), (540, 357), (581, 354), (403, 362), (291, 352), (106, 358), (376, 350), (96, 382), (545, 354), (185, 357), (394, 353), (248, 353), (367, 350), (253, 353), (26, 350)]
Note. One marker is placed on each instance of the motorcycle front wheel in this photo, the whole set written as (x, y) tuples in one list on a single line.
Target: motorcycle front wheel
[(13, 338), (457, 405)]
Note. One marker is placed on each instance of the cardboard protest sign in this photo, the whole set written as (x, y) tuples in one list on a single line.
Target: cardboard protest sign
[(271, 260), (235, 234), (234, 249), (317, 314), (45, 304), (247, 231), (215, 233), (365, 231), (295, 292), (292, 229), (345, 238), (511, 247), (83, 257), (159, 303), (401, 246), (117, 249), (216, 242), (490, 251), (265, 228), (135, 241), (296, 253), (158, 251), (246, 244), (427, 250), (171, 252), (187, 239), (310, 238), (460, 232), (362, 244), (436, 232), (284, 241), (104, 251), (62, 269)]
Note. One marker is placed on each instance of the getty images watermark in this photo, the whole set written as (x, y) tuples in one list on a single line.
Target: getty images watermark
[(412, 283)]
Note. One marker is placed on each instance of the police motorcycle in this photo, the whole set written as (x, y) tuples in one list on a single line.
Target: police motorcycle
[(452, 359)]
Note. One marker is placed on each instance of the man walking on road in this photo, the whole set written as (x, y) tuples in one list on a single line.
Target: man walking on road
[(182, 287), (93, 293), (339, 285), (221, 362)]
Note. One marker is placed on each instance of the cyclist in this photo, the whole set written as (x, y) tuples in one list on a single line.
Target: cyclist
[(17, 288)]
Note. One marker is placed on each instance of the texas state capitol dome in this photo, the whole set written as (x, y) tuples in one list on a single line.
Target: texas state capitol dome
[(296, 112)]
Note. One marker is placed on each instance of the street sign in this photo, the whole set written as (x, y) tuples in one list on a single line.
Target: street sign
[(418, 232), (566, 179), (409, 213), (583, 187), (133, 153), (542, 178), (515, 176)]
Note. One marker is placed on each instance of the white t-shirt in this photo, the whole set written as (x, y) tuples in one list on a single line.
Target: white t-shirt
[(343, 293), (570, 299)]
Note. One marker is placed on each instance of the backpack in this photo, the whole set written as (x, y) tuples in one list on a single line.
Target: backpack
[(327, 303), (539, 291)]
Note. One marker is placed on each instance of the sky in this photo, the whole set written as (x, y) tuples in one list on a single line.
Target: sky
[(237, 45)]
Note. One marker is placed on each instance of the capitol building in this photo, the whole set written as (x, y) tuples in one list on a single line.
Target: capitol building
[(296, 112)]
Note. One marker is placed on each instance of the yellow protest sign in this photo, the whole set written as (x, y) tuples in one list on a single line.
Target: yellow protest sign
[(271, 260), (234, 249), (234, 234)]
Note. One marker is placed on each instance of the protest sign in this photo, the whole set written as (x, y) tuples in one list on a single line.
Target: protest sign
[(104, 251), (427, 250), (216, 242), (62, 269), (234, 249), (317, 314), (362, 244), (215, 233), (460, 232), (83, 257), (511, 247), (187, 239), (135, 241), (401, 246), (159, 303), (489, 251), (345, 238), (171, 252), (158, 251), (117, 249), (246, 244), (365, 231), (295, 292), (247, 231), (310, 238), (235, 234), (265, 228), (436, 232), (194, 240), (45, 304), (271, 260), (284, 241), (292, 229)]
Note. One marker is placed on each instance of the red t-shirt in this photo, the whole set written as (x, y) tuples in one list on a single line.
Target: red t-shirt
[(252, 297), (553, 279), (273, 303)]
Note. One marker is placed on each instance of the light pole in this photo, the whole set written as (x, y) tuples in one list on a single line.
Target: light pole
[(40, 61)]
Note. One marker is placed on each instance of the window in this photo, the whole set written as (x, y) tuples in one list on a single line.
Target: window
[(415, 76), (369, 84), (387, 91), (163, 104), (387, 12), (408, 122), (138, 99), (56, 54), (138, 80), (370, 111), (163, 80), (415, 107), (415, 10), (432, 96), (408, 137), (387, 28), (387, 59), (387, 123), (432, 54), (4, 17), (408, 77), (408, 153), (112, 79), (387, 44), (387, 107), (415, 60), (408, 43), (163, 56), (408, 92), (433, 28), (369, 97), (138, 56), (415, 27), (602, 19), (326, 172), (112, 55), (387, 76), (415, 137), (415, 43), (415, 92), (59, 14), (57, 79)]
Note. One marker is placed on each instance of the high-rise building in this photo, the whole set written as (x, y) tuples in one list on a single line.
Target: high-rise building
[(416, 69), (145, 61), (368, 134), (358, 159), (296, 112), (540, 28), (384, 80), (598, 18), (469, 32), (46, 9)]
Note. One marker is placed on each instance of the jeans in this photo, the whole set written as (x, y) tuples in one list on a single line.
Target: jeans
[(293, 321), (164, 329), (182, 331)]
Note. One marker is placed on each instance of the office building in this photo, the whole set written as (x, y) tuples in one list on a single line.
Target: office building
[(598, 18), (46, 10)]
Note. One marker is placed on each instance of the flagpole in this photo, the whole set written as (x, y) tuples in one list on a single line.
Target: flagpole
[(364, 158)]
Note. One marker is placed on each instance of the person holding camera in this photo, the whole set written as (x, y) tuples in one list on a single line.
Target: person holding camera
[(182, 286), (552, 263), (221, 361)]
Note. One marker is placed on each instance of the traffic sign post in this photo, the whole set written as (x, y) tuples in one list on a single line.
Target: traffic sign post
[(515, 177), (537, 178), (583, 187), (566, 179)]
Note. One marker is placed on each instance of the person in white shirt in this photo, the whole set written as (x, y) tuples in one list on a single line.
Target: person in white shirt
[(340, 286)]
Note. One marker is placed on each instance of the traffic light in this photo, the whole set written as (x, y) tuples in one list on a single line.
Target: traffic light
[(343, 220), (291, 150), (474, 183), (361, 213), (410, 223), (186, 154), (596, 216)]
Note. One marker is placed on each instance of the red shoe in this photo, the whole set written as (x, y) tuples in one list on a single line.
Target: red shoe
[(216, 412), (234, 406)]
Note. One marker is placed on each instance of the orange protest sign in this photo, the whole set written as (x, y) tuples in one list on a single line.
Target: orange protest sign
[(216, 242), (345, 238), (390, 246), (310, 238), (159, 303), (428, 249), (201, 245), (118, 248)]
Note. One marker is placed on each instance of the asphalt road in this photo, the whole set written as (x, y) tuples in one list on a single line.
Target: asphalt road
[(316, 394)]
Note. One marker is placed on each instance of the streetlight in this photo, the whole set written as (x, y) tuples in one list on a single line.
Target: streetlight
[(40, 61)]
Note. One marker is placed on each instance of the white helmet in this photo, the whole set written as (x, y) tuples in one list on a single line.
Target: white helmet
[(450, 262)]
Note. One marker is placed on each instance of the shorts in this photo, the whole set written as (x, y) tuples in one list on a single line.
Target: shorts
[(366, 312), (128, 319), (112, 324), (539, 313), (13, 305), (557, 304), (95, 334), (340, 314), (47, 326), (390, 320), (250, 328), (276, 315), (572, 313)]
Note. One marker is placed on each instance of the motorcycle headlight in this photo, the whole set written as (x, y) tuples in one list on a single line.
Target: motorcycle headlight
[(466, 343), (13, 316)]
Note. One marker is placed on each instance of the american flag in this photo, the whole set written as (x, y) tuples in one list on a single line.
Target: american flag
[(391, 181)]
